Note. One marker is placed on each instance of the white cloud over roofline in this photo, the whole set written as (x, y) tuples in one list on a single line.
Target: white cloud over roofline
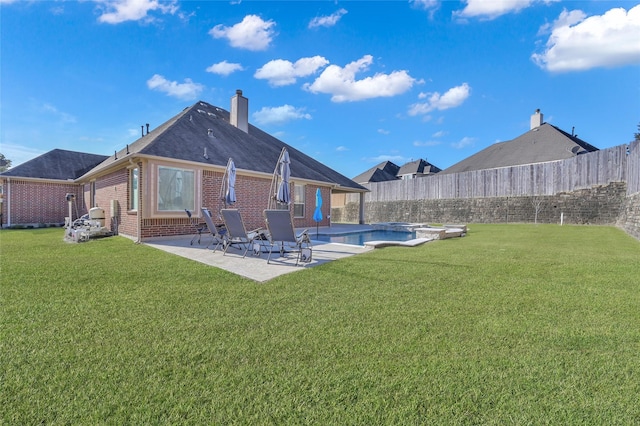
[(579, 43), (280, 72), (187, 90), (452, 98), (252, 33), (224, 68), (118, 11), (342, 85), (398, 159), (463, 143), (279, 115)]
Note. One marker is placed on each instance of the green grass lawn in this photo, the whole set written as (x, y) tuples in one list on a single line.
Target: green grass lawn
[(513, 324)]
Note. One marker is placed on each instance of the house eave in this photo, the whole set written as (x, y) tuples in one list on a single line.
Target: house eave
[(39, 180)]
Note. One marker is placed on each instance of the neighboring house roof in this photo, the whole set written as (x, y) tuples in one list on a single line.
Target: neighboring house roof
[(538, 145), (202, 133), (387, 171), (382, 172), (56, 164), (418, 167)]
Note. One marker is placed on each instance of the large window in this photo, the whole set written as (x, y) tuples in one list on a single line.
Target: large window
[(176, 189), (298, 200), (133, 189)]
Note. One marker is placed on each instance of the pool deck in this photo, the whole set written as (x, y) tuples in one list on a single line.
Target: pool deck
[(256, 268)]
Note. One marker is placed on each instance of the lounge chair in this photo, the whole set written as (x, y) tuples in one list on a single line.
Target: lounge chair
[(218, 232), (196, 224), (237, 233), (281, 232)]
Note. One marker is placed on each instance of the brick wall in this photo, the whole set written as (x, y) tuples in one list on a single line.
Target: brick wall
[(112, 195), (252, 195), (39, 203)]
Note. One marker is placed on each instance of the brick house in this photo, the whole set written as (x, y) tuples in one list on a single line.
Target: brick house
[(33, 193), (145, 187)]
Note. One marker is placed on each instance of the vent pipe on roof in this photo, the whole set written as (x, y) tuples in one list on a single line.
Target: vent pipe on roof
[(147, 128), (240, 112), (536, 119)]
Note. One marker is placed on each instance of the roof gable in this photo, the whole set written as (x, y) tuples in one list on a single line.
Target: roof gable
[(538, 145), (382, 172), (418, 167), (56, 164)]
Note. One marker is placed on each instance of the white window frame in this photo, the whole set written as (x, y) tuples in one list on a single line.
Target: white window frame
[(134, 189), (179, 184), (299, 199)]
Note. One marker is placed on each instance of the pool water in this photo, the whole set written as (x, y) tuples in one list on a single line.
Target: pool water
[(359, 238)]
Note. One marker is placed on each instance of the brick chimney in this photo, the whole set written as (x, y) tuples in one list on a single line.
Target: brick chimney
[(536, 119), (240, 111)]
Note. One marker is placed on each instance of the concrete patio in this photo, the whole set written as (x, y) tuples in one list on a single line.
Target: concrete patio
[(256, 268)]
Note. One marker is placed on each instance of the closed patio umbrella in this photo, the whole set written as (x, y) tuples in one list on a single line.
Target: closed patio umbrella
[(228, 191), (317, 214), (230, 196), (284, 193)]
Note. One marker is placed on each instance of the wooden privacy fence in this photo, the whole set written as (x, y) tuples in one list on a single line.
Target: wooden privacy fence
[(583, 171)]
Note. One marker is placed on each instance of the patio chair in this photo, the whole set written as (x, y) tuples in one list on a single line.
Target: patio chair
[(237, 233), (196, 224), (281, 232), (218, 232)]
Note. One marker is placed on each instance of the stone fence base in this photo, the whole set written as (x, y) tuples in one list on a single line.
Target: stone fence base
[(599, 205)]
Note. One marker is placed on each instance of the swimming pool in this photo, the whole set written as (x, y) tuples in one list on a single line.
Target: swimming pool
[(359, 238)]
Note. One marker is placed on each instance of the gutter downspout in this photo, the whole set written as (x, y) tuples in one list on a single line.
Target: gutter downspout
[(8, 202), (140, 202)]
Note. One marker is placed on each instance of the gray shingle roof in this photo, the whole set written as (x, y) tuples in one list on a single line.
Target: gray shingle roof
[(205, 128), (383, 172), (56, 164), (418, 167), (541, 144)]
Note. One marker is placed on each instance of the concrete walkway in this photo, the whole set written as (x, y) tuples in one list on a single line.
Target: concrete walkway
[(256, 268)]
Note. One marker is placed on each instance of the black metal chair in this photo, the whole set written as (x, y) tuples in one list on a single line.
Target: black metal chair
[(196, 224)]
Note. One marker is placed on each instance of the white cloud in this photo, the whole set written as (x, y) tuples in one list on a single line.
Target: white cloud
[(327, 21), (398, 159), (578, 43), (62, 116), (454, 97), (493, 9), (224, 68), (280, 72), (342, 85), (425, 4), (464, 142), (383, 131), (342, 148), (426, 143), (187, 90), (279, 115), (252, 33), (439, 134), (118, 11)]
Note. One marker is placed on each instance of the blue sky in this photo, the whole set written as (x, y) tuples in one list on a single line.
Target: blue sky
[(350, 83)]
